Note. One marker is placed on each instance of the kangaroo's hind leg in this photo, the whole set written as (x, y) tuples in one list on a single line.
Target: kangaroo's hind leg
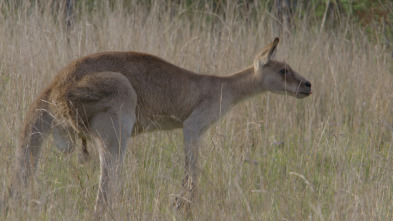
[(109, 101), (111, 134), (64, 138), (65, 141), (84, 155)]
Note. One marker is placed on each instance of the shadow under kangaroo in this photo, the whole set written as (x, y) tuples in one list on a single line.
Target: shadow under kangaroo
[(106, 98)]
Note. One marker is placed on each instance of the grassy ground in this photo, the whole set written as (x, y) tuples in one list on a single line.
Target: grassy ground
[(326, 157)]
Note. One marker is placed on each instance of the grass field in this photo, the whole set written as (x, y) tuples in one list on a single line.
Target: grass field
[(326, 157)]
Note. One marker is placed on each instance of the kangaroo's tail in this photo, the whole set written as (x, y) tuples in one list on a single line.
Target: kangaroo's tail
[(36, 128)]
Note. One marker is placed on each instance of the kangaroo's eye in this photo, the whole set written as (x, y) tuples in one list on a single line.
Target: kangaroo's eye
[(283, 71)]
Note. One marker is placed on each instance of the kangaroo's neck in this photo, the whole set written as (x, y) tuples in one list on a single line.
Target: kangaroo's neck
[(244, 84)]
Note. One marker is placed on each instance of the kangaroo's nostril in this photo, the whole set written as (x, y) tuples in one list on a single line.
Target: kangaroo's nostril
[(307, 83)]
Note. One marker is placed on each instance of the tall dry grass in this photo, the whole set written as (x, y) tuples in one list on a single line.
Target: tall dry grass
[(326, 157)]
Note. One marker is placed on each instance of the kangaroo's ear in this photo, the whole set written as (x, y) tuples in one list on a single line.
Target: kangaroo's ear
[(266, 55)]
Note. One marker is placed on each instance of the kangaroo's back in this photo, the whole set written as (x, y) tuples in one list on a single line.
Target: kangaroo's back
[(166, 94)]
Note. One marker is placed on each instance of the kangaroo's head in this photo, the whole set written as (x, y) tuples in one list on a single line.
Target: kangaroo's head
[(279, 77)]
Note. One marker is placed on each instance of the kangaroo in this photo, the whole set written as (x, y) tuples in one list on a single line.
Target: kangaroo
[(107, 98)]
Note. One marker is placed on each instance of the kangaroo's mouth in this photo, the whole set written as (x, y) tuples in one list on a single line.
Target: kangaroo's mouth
[(302, 94), (298, 94)]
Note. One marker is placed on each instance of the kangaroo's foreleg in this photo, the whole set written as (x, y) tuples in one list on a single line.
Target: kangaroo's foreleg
[(192, 142), (193, 128)]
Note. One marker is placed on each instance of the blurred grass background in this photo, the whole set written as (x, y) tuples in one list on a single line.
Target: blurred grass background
[(326, 157)]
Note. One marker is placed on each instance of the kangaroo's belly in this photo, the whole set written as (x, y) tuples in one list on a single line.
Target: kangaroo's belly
[(157, 122)]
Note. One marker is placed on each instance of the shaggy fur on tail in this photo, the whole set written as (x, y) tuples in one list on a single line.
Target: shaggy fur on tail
[(35, 129)]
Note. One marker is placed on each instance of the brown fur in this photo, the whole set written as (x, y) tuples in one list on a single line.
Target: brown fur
[(108, 97)]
